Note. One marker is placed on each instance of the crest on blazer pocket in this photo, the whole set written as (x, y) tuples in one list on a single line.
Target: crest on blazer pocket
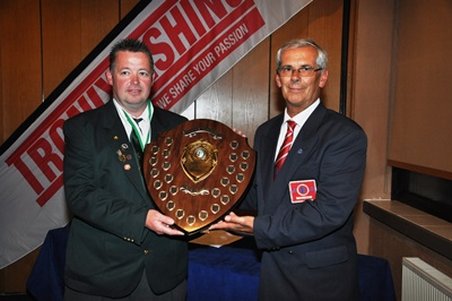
[(302, 190)]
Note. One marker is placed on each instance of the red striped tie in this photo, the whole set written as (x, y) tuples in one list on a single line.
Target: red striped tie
[(287, 144)]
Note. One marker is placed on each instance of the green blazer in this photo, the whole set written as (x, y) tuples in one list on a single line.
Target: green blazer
[(109, 246)]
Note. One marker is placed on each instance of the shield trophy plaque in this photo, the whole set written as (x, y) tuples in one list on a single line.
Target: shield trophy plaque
[(197, 172)]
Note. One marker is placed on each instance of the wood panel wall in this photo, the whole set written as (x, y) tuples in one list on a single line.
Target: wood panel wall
[(20, 63), (422, 107), (44, 40)]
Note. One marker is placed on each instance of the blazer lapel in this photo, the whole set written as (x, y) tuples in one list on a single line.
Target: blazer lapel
[(304, 142), (122, 148)]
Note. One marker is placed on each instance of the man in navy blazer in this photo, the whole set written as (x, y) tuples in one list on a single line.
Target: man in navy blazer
[(119, 246), (304, 217)]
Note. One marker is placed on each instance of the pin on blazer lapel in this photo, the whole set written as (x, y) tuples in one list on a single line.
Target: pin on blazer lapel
[(122, 149), (130, 166)]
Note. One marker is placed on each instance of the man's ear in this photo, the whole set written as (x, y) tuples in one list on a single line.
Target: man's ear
[(323, 78), (109, 77), (278, 80)]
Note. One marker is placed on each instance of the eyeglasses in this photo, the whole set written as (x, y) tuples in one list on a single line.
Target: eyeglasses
[(304, 71)]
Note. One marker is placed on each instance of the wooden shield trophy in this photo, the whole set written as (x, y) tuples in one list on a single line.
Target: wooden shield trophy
[(197, 172)]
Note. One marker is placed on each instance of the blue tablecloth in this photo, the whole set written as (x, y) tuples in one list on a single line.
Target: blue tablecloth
[(226, 273), (46, 282), (222, 274)]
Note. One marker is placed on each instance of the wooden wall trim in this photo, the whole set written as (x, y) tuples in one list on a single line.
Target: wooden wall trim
[(431, 232), (421, 169)]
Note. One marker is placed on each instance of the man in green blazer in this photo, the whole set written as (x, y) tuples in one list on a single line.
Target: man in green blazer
[(119, 245)]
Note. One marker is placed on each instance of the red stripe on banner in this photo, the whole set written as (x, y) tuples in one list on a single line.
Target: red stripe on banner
[(50, 191), (207, 39), (152, 19), (219, 50)]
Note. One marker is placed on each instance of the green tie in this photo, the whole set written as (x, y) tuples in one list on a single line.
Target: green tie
[(136, 141)]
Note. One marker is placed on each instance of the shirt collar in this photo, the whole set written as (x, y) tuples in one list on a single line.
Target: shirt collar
[(145, 116), (301, 117)]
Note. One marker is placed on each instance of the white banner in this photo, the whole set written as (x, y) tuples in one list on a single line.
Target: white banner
[(193, 42)]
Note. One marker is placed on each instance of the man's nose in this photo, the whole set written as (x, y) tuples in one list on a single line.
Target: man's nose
[(295, 76), (135, 78)]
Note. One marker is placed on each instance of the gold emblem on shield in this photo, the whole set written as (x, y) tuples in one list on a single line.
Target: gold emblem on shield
[(199, 160)]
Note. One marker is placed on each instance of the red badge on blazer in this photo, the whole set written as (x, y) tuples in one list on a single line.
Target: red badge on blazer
[(302, 190)]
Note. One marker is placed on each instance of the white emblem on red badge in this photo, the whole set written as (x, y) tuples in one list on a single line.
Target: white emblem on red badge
[(302, 190)]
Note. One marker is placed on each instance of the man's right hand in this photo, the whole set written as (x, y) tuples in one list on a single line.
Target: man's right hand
[(161, 224)]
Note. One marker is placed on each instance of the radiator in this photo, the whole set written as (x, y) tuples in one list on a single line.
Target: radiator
[(422, 282)]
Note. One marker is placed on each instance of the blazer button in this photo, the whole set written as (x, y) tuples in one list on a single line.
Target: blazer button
[(146, 251), (290, 252)]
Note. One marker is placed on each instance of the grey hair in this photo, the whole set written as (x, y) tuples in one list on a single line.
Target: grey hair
[(322, 56)]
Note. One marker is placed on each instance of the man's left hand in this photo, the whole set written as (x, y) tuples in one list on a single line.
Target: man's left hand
[(235, 223)]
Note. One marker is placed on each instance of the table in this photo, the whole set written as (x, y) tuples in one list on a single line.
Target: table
[(223, 274)]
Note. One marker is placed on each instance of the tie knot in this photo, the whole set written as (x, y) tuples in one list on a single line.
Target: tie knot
[(137, 120), (291, 124), (285, 147)]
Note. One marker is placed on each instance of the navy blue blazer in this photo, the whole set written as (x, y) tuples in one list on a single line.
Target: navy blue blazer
[(109, 246), (309, 250)]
